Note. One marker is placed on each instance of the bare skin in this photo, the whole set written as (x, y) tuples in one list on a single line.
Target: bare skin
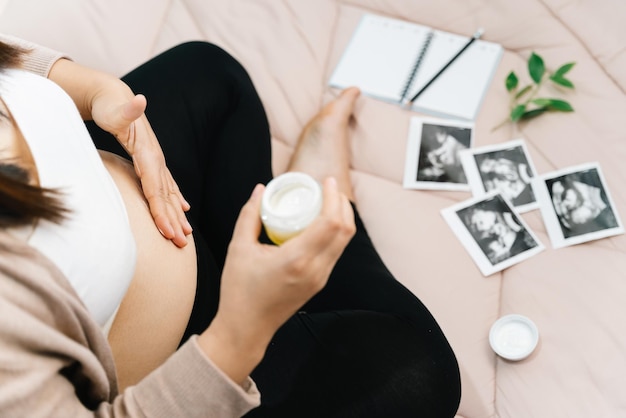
[(155, 309), (323, 148)]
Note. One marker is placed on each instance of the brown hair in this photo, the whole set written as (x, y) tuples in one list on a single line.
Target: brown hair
[(20, 202)]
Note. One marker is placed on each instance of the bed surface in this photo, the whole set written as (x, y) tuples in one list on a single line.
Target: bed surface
[(575, 295)]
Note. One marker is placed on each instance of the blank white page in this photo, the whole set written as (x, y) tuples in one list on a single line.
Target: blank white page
[(383, 51), (380, 56)]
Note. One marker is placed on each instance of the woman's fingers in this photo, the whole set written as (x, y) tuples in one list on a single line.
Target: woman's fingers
[(262, 285), (328, 235), (122, 115), (133, 110), (166, 202)]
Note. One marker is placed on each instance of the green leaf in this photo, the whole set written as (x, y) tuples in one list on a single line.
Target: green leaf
[(561, 106), (554, 104), (533, 113), (536, 67), (542, 102), (517, 112), (563, 69), (511, 81), (523, 91), (562, 81)]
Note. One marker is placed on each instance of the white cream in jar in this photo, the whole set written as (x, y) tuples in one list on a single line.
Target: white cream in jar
[(290, 203)]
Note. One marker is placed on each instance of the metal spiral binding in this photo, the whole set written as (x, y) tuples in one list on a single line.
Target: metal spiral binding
[(416, 66)]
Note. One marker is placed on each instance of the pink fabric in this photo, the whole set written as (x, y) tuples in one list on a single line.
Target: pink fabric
[(574, 295)]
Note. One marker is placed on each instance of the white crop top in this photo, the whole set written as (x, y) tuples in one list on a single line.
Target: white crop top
[(94, 247)]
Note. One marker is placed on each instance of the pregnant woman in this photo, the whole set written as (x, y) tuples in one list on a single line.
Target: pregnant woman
[(319, 323)]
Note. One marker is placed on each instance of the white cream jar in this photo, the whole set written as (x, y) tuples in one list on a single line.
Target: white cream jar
[(290, 203)]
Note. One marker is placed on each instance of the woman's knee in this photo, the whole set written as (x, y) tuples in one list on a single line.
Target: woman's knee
[(194, 70), (205, 53), (200, 61)]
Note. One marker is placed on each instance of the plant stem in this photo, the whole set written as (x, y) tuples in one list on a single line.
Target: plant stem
[(500, 125), (513, 103)]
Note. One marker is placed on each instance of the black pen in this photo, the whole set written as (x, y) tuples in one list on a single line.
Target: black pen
[(476, 36)]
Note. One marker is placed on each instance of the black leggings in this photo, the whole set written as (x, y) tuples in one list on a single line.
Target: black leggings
[(365, 346)]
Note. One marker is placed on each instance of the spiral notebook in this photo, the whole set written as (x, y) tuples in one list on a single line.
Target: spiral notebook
[(389, 59)]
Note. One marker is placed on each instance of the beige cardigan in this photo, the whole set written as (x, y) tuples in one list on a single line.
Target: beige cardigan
[(55, 360)]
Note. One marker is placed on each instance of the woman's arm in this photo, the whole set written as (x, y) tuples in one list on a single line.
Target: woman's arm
[(38, 59), (111, 104), (116, 109), (264, 285)]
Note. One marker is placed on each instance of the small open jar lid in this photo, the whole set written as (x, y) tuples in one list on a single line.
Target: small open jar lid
[(513, 337)]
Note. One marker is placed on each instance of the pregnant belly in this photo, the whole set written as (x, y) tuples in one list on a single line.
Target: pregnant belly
[(154, 313)]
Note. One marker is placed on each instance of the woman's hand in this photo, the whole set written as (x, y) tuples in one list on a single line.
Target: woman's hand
[(264, 285), (130, 126), (113, 107)]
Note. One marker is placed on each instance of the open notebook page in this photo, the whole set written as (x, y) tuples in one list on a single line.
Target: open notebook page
[(383, 51), (380, 56), (459, 90)]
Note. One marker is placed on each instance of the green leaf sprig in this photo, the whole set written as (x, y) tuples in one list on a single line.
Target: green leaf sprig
[(524, 103)]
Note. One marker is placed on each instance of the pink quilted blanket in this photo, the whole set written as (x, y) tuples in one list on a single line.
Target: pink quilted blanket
[(574, 294)]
